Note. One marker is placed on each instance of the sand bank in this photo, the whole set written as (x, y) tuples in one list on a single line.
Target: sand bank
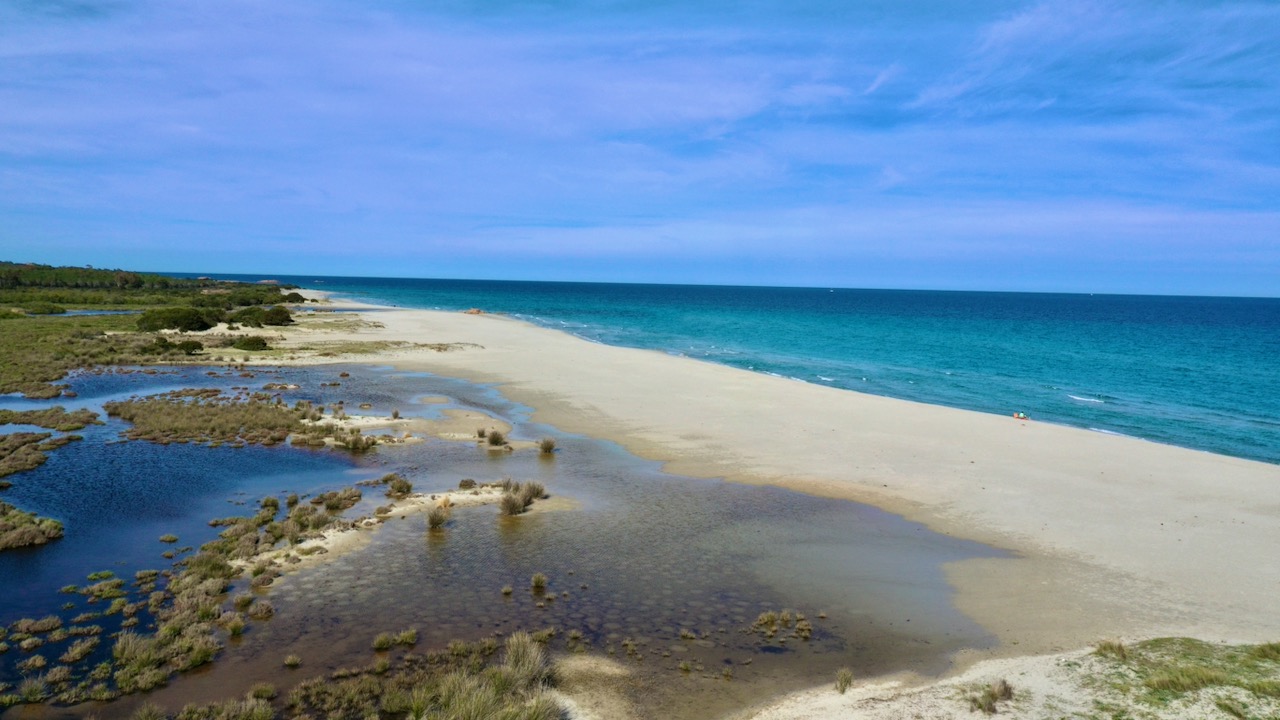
[(1117, 537)]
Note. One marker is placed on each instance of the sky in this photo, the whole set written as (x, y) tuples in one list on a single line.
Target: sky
[(1066, 145)]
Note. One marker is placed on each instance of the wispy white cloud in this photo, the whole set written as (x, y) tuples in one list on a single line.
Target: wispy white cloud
[(665, 131)]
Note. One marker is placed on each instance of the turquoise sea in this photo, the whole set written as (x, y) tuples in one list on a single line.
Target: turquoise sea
[(1199, 372)]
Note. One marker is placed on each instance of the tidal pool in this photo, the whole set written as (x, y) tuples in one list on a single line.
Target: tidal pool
[(632, 554)]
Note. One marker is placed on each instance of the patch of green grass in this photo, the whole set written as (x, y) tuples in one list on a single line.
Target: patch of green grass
[(1166, 669)]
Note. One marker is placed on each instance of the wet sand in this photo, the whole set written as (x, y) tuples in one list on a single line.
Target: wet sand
[(1115, 537)]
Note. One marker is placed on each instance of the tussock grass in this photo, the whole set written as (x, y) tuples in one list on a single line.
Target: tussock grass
[(437, 517), (844, 680), (547, 446), (511, 504), (538, 582), (1266, 651), (1112, 648), (990, 697)]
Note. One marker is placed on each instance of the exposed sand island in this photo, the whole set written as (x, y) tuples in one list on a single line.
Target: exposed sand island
[(1115, 537)]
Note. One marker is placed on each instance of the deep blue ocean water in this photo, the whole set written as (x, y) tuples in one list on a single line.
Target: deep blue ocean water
[(1198, 372)]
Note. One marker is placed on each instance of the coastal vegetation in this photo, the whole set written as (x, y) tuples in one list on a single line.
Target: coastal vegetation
[(38, 347), (25, 451), (207, 416), (247, 418), (1242, 681), (23, 529), (190, 608), (54, 418)]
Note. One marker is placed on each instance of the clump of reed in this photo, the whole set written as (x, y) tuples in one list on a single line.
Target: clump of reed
[(292, 661), (538, 583), (496, 438), (547, 446)]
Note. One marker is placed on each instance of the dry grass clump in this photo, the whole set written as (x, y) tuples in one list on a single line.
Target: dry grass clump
[(844, 680), (397, 487), (1112, 648), (771, 623), (496, 438), (292, 661), (989, 699), (511, 504), (261, 610), (538, 583), (547, 446)]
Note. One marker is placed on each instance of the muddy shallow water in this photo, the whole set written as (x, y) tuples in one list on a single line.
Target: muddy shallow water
[(657, 554)]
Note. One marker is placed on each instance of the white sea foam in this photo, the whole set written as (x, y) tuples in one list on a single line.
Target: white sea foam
[(1085, 399), (824, 377)]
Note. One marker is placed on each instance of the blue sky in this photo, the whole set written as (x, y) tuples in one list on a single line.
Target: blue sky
[(1063, 145)]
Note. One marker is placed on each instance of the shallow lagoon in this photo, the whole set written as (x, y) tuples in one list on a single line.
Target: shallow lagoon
[(658, 553)]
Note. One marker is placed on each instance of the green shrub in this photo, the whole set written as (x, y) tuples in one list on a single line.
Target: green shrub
[(42, 308), (251, 342), (277, 315), (190, 347), (186, 319)]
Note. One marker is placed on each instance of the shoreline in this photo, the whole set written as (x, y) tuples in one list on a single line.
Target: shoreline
[(1114, 536)]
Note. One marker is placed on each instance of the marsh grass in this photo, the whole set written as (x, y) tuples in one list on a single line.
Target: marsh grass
[(496, 438), (547, 446)]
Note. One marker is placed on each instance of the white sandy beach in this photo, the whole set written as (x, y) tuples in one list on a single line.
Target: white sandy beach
[(1115, 537)]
